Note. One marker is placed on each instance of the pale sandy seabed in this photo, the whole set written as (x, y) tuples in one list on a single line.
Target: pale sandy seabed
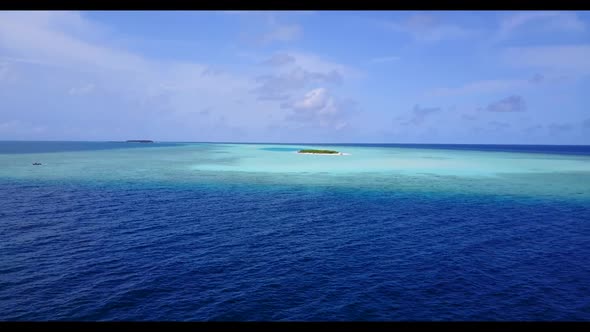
[(387, 168)]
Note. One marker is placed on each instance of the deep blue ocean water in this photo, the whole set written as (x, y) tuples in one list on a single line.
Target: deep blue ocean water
[(553, 149), (10, 147), (141, 251)]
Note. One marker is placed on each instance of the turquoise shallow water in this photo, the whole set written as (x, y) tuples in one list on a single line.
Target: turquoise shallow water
[(365, 168)]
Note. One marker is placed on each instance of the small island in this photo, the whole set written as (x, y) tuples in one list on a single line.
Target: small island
[(312, 151), (139, 141)]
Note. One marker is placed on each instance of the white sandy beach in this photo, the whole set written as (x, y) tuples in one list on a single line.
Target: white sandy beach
[(325, 154)]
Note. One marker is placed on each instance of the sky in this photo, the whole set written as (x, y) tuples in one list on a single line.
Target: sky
[(481, 77)]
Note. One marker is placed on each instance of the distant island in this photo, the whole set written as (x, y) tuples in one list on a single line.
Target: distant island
[(139, 141), (312, 151)]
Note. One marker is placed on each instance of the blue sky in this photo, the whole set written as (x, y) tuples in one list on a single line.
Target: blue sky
[(309, 76)]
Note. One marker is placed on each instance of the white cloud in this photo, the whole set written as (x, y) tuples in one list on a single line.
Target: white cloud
[(485, 86), (48, 35), (280, 59), (276, 32), (490, 86), (315, 63), (149, 93), (316, 99), (291, 59), (282, 85), (419, 115), (282, 33), (543, 20), (478, 87), (573, 59), (147, 97), (299, 71), (506, 105), (23, 60), (384, 59), (319, 107), (428, 28)]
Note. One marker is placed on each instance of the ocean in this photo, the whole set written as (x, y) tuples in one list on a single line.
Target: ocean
[(110, 231)]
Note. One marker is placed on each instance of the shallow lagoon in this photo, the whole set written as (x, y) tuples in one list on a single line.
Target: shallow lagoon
[(366, 168)]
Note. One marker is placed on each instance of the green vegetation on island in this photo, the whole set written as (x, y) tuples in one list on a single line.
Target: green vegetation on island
[(318, 151)]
